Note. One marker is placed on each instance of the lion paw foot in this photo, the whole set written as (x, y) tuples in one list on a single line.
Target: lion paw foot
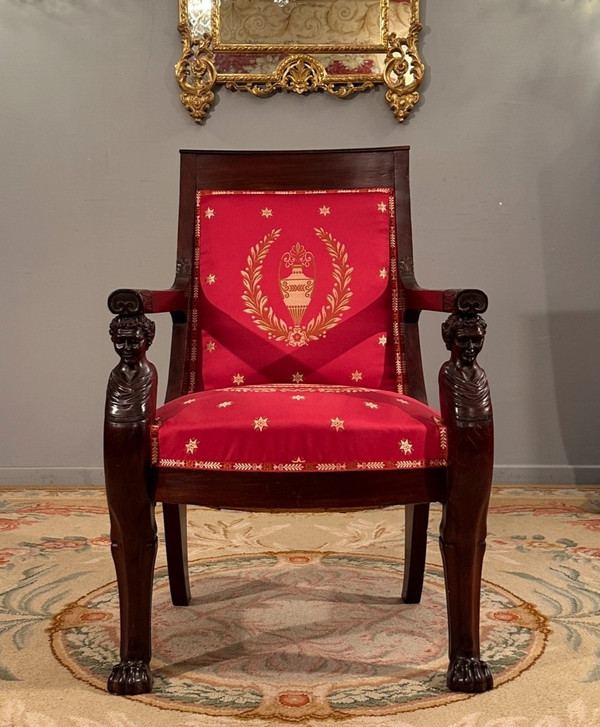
[(130, 677), (467, 674)]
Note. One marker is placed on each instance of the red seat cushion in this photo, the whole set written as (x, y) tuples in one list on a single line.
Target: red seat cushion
[(298, 427)]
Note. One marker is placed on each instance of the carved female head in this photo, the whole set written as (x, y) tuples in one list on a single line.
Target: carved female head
[(131, 337), (464, 337)]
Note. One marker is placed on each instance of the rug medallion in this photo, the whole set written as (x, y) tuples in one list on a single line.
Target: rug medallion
[(295, 635)]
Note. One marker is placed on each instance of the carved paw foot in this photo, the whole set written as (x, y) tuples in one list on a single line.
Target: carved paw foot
[(466, 674), (130, 677)]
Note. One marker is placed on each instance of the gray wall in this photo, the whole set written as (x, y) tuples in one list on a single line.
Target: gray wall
[(505, 186)]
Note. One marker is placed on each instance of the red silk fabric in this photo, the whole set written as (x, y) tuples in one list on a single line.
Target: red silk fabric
[(298, 428), (292, 284), (295, 351)]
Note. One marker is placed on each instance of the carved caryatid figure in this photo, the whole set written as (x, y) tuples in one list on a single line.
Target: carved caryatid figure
[(461, 377), (131, 382), (130, 408), (467, 412)]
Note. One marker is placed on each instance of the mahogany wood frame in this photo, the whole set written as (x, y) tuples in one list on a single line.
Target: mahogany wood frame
[(133, 485)]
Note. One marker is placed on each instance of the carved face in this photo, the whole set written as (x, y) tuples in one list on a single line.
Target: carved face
[(466, 344), (130, 344)]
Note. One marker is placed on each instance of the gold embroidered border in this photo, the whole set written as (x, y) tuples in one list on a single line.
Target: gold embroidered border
[(290, 192), (297, 388), (353, 466), (154, 454), (397, 329)]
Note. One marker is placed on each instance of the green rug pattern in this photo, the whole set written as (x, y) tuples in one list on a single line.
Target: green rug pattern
[(296, 618)]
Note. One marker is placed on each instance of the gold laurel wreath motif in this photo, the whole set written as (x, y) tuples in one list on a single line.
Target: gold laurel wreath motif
[(329, 316)]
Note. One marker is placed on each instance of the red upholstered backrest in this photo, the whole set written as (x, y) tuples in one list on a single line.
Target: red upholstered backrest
[(295, 286)]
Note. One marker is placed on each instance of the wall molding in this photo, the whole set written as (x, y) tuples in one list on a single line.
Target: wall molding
[(503, 475)]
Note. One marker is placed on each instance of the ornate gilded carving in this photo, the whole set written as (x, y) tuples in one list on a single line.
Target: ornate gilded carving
[(196, 73), (463, 383), (131, 391), (334, 46), (300, 74), (403, 72)]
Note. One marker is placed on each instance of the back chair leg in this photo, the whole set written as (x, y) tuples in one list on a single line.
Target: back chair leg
[(175, 520), (415, 548)]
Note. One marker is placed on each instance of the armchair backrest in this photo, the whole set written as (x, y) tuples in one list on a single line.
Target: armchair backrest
[(296, 263)]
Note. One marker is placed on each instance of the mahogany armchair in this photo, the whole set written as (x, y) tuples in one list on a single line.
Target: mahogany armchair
[(295, 381)]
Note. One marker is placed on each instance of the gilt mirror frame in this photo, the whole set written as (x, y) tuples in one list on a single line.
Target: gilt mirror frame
[(262, 46)]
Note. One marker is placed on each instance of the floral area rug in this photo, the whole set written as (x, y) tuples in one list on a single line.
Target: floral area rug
[(296, 618)]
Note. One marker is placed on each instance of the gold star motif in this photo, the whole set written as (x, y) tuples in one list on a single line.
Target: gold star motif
[(383, 340), (211, 279), (211, 346), (224, 404), (324, 211), (298, 397), (209, 213), (356, 375), (297, 378), (238, 379), (405, 446), (337, 423), (261, 423), (191, 446), (189, 401), (371, 405), (266, 212), (382, 207), (383, 273)]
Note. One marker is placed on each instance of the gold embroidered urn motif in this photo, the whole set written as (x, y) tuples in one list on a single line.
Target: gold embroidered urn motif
[(297, 288)]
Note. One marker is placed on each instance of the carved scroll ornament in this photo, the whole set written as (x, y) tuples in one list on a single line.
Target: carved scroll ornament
[(340, 47)]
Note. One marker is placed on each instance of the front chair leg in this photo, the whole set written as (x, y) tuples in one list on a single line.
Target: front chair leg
[(463, 547), (133, 548), (467, 412), (130, 411)]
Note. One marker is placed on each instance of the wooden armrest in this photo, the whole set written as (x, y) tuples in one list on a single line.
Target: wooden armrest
[(128, 301), (468, 301)]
